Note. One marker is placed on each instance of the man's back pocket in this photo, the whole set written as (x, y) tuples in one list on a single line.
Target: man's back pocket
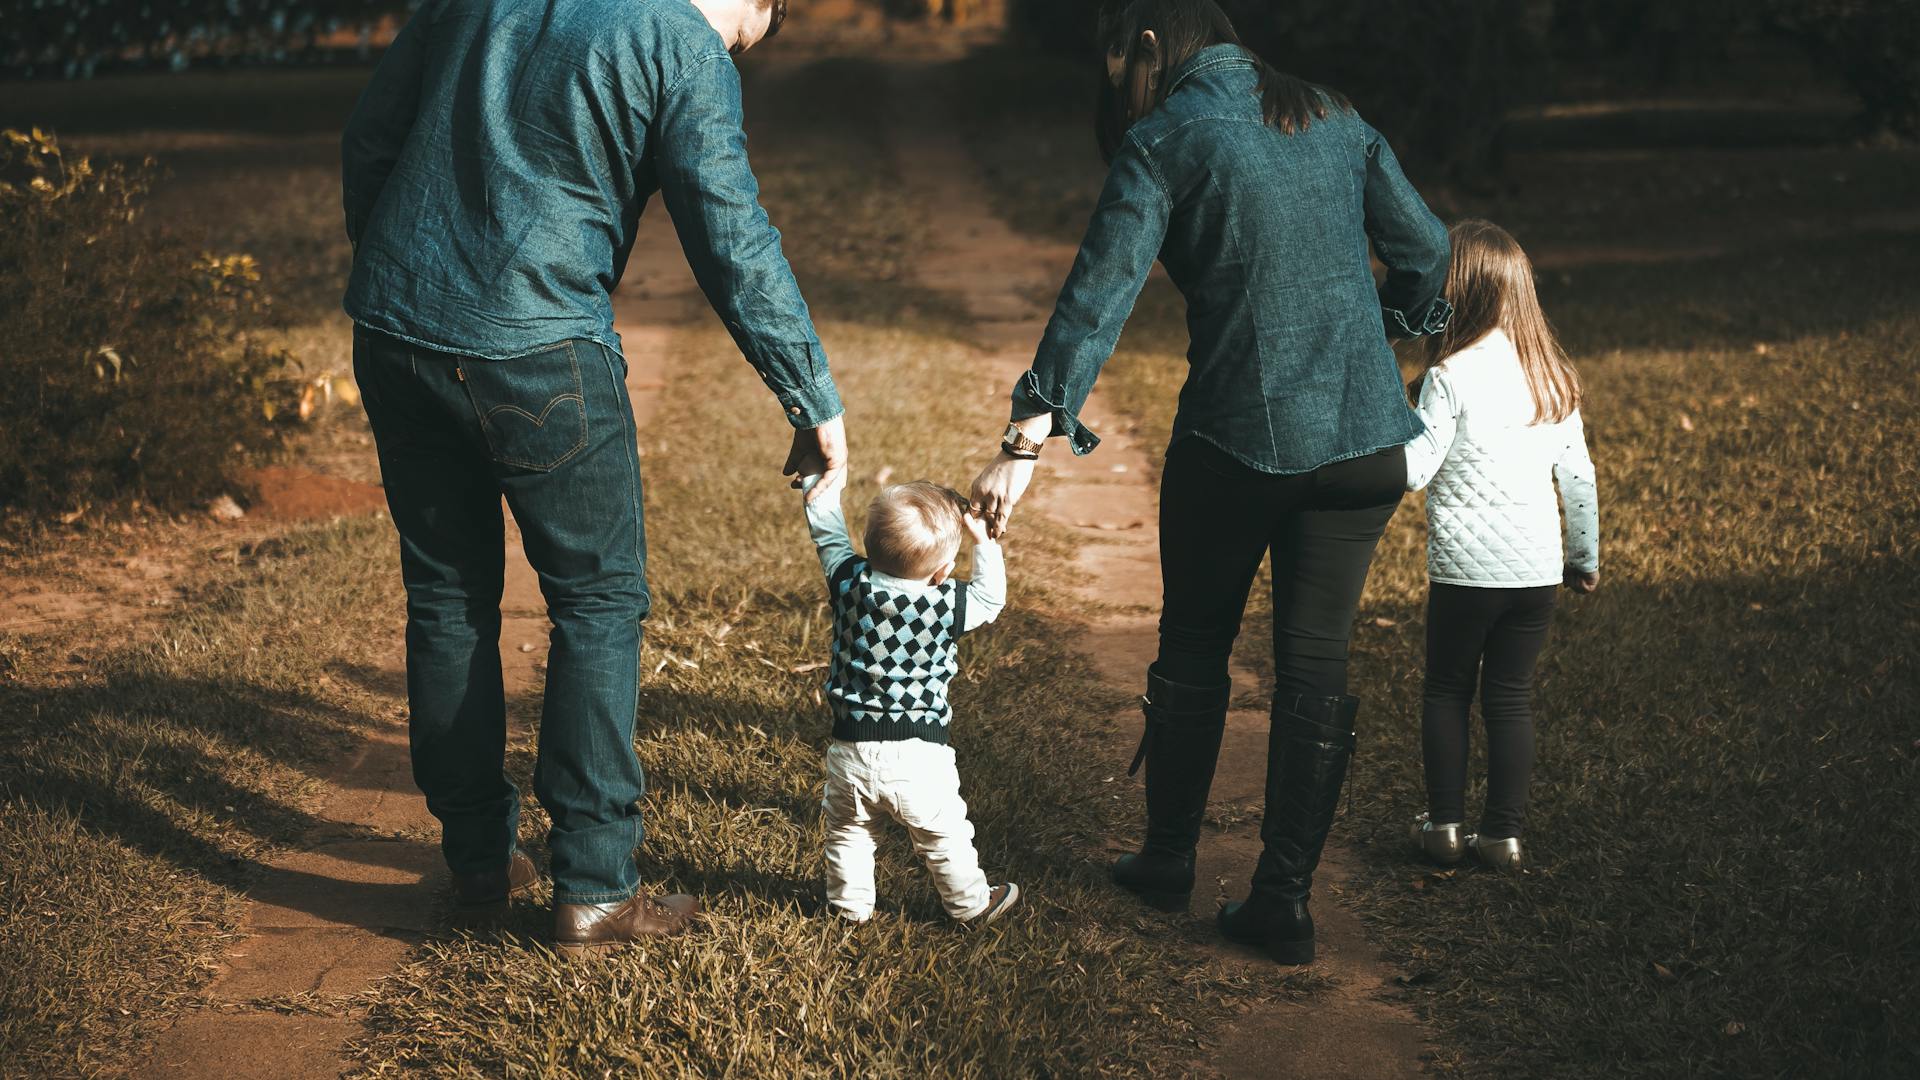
[(531, 408)]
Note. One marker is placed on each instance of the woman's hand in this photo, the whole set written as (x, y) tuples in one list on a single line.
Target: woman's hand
[(998, 487)]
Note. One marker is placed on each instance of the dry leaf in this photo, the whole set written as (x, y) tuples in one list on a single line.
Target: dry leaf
[(345, 390)]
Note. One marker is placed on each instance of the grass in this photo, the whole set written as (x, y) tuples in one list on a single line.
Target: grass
[(733, 748), (1723, 876), (137, 794)]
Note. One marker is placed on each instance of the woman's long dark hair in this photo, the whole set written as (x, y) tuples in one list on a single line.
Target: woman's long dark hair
[(1184, 27)]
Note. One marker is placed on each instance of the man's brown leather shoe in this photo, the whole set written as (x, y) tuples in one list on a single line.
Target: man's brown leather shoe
[(579, 928), (483, 899)]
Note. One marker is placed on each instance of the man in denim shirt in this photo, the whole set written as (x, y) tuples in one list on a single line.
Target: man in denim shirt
[(494, 173)]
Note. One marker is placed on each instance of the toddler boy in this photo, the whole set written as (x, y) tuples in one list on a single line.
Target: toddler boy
[(897, 617)]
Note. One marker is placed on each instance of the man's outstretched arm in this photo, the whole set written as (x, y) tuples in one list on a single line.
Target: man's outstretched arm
[(734, 250)]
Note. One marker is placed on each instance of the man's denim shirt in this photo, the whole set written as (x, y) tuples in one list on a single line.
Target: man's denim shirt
[(1266, 236), (496, 167)]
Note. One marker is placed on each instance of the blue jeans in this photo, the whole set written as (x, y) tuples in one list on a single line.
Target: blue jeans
[(553, 432)]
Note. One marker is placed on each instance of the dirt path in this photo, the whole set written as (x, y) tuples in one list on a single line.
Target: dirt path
[(1357, 1026), (332, 917)]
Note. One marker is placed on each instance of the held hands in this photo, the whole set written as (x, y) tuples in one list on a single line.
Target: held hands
[(976, 527), (1580, 581), (996, 490), (821, 452)]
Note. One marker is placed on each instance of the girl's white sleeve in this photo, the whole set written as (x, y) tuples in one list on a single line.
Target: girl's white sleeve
[(1580, 496), (1439, 411)]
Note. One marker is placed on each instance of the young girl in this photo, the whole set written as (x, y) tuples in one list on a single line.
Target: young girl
[(1501, 405)]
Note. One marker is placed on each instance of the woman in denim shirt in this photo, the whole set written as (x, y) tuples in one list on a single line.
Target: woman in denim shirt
[(1262, 195)]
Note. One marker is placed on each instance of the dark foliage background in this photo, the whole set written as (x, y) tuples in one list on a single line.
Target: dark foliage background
[(79, 38), (129, 365), (1440, 76)]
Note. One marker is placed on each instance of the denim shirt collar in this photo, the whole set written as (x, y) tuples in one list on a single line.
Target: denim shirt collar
[(1206, 59)]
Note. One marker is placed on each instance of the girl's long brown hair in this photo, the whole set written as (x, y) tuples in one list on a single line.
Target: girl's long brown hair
[(1490, 282)]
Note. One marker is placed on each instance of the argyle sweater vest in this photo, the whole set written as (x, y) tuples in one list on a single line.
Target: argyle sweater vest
[(893, 656)]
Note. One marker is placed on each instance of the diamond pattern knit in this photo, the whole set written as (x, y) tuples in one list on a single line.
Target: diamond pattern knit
[(893, 656)]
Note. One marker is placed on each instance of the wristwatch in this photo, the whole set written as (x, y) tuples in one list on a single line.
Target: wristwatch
[(1016, 443)]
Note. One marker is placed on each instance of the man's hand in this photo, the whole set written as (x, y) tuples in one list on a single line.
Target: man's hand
[(998, 488), (822, 452), (1580, 581)]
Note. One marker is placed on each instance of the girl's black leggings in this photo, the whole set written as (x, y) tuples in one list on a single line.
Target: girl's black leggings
[(1220, 518), (1493, 636)]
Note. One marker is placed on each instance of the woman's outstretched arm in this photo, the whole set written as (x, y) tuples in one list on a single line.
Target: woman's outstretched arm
[(1122, 242)]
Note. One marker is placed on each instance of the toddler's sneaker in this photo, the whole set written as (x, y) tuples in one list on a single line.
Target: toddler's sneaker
[(1440, 842), (1501, 854), (999, 902)]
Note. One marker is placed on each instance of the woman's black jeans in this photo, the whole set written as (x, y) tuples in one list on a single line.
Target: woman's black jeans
[(1220, 518), (1494, 637)]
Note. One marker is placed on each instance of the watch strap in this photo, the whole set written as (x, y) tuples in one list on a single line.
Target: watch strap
[(1015, 442)]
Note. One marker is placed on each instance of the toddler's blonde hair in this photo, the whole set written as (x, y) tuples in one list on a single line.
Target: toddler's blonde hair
[(914, 529)]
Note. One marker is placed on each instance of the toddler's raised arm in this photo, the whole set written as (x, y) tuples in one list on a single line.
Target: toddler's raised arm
[(987, 591), (1580, 496), (827, 524)]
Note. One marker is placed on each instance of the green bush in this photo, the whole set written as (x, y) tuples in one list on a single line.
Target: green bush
[(129, 368)]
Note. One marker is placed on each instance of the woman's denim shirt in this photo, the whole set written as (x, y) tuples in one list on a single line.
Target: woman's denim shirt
[(1266, 236), (496, 166)]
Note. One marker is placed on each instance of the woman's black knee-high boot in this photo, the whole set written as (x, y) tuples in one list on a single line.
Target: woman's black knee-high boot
[(1308, 748), (1180, 747)]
